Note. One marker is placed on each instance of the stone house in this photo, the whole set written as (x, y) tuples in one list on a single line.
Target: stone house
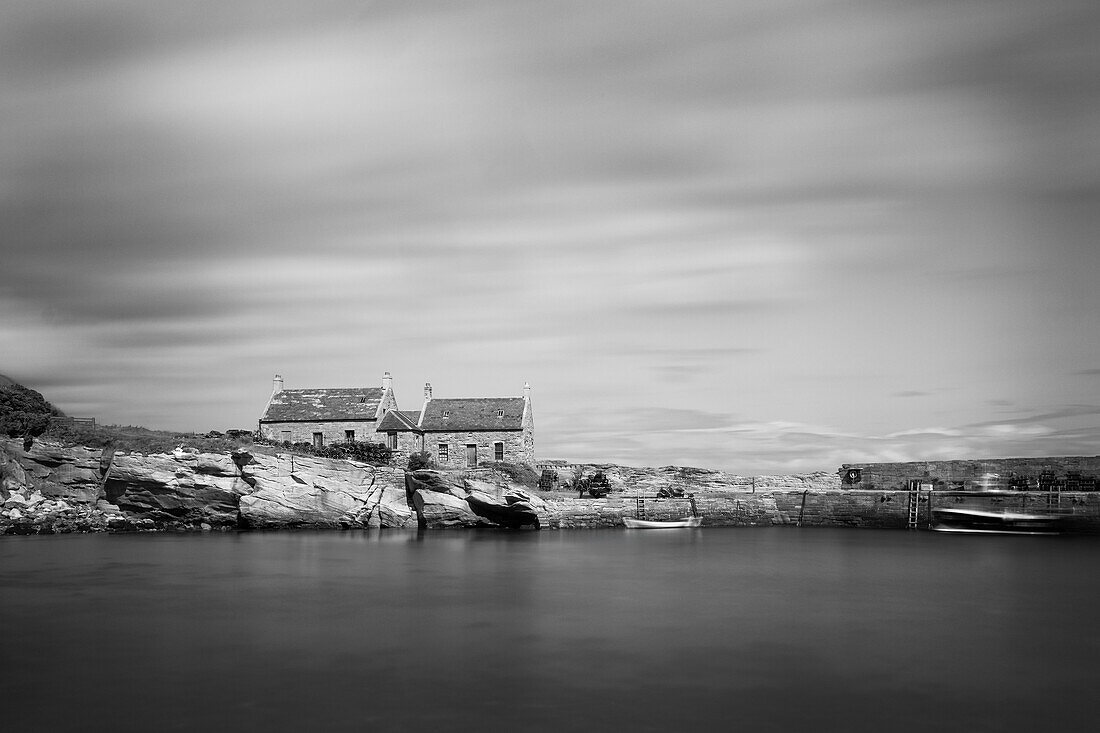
[(324, 416), (398, 430), (465, 432), (456, 432)]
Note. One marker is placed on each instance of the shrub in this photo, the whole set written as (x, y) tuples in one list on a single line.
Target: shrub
[(24, 413), (375, 454), (519, 473), (419, 460)]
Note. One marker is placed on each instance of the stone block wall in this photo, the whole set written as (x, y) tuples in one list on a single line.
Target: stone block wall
[(515, 448), (302, 432), (1066, 473), (857, 509), (870, 509), (407, 444)]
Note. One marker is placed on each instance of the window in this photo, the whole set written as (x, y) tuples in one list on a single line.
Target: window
[(349, 436), (500, 413), (286, 436), (446, 413), (443, 452), (391, 440), (498, 451), (318, 440)]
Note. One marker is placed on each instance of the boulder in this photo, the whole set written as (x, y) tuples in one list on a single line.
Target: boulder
[(436, 510), (502, 513), (511, 504), (440, 499), (15, 498), (436, 481), (445, 499)]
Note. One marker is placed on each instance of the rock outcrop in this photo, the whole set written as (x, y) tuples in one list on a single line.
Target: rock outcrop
[(292, 491), (52, 488), (74, 474), (185, 488)]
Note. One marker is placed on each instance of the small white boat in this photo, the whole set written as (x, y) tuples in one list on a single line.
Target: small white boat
[(983, 521), (632, 523)]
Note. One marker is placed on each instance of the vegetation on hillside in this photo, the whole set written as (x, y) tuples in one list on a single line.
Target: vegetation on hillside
[(142, 440), (24, 413)]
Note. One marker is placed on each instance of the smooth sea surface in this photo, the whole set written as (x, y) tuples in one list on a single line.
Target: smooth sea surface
[(710, 629)]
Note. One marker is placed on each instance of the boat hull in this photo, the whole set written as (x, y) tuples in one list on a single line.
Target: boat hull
[(686, 522), (977, 521)]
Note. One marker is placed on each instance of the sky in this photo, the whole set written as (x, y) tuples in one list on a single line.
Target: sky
[(761, 236)]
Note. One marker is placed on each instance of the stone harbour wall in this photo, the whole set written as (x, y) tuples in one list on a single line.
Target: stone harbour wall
[(1068, 473), (813, 508)]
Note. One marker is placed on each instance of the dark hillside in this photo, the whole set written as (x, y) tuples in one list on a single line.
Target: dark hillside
[(24, 413)]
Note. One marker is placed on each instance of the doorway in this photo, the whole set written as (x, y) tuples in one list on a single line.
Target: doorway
[(471, 455)]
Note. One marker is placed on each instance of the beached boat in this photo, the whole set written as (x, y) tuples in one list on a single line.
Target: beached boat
[(656, 524), (983, 521)]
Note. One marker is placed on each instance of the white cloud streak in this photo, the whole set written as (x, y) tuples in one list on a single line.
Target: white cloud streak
[(792, 214)]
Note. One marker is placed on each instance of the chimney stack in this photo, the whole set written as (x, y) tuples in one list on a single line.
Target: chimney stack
[(387, 381), (277, 384), (427, 391)]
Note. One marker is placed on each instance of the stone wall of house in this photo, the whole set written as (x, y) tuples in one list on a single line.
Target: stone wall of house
[(516, 450), (407, 444), (302, 432), (1072, 473)]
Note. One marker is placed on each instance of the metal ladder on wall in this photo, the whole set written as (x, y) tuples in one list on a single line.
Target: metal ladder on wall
[(1054, 498), (914, 507), (639, 513)]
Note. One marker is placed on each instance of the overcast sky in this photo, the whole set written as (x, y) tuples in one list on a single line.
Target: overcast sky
[(755, 235)]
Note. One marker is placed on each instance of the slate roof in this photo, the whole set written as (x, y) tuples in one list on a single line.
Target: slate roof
[(399, 421), (312, 405), (480, 413)]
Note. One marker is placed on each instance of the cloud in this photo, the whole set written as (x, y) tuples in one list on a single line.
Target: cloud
[(766, 218)]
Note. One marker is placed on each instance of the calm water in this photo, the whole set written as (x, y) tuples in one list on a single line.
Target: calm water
[(758, 629)]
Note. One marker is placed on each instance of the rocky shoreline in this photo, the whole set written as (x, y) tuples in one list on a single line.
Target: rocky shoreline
[(53, 488)]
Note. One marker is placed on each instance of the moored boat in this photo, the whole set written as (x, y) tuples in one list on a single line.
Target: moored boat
[(632, 523), (983, 521)]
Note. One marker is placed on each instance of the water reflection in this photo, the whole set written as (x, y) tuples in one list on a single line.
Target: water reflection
[(767, 629)]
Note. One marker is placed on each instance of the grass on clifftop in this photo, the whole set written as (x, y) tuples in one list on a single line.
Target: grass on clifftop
[(133, 438), (139, 439)]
